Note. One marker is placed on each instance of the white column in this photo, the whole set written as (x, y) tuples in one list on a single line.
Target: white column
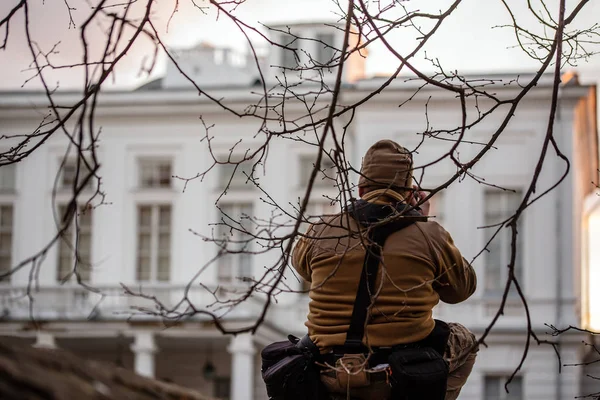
[(44, 340), (242, 367), (143, 349)]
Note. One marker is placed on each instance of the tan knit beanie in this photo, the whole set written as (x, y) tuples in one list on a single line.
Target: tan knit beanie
[(386, 164)]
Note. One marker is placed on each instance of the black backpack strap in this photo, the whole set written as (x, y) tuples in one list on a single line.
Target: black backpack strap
[(369, 214), (366, 287)]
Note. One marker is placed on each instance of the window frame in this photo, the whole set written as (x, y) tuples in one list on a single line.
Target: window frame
[(154, 162), (237, 269), (74, 231), (11, 252), (501, 379), (326, 185), (324, 54), (154, 250), (287, 59), (223, 178), (62, 197), (154, 197), (236, 195), (13, 188), (61, 187), (503, 240), (8, 198)]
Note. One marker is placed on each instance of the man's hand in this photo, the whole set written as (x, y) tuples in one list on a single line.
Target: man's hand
[(415, 197)]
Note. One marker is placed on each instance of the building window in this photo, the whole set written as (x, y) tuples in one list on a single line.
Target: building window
[(288, 57), (6, 229), (494, 388), (7, 198), (70, 177), (235, 176), (7, 178), (154, 221), (500, 205), (155, 173), (325, 48), (325, 178), (75, 246), (154, 243), (234, 237), (222, 387)]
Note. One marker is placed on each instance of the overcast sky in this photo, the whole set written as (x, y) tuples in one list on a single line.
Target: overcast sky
[(467, 42)]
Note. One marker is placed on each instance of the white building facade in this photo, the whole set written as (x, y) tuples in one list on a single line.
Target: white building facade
[(146, 236)]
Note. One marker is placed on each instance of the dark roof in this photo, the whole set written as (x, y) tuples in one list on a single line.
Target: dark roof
[(29, 372)]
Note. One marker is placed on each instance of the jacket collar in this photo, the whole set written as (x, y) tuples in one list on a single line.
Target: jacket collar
[(383, 196)]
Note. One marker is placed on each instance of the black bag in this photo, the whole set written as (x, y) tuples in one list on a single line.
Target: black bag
[(289, 371), (418, 373)]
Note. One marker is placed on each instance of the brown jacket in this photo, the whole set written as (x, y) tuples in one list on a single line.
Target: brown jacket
[(421, 265)]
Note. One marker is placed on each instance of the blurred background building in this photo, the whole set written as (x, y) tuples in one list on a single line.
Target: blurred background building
[(147, 236)]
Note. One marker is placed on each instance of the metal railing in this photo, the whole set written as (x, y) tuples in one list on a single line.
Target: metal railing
[(75, 302)]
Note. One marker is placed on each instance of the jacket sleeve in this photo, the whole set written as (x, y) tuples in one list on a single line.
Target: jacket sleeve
[(456, 278), (301, 257)]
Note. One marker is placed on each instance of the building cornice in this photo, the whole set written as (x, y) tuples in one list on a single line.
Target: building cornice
[(17, 105)]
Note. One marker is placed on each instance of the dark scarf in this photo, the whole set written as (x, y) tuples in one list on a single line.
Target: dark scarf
[(368, 214)]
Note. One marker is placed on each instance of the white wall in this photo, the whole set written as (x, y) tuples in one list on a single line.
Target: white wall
[(178, 136)]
